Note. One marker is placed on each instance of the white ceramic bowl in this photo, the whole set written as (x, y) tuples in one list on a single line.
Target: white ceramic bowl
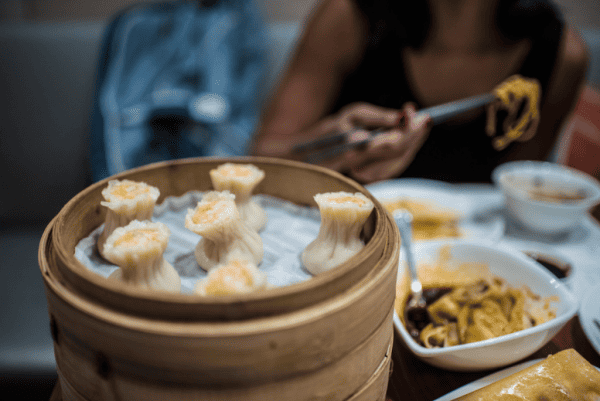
[(517, 269), (515, 179)]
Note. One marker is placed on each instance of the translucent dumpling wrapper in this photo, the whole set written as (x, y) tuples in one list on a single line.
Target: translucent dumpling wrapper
[(241, 180), (126, 201), (235, 277), (343, 216), (225, 237), (138, 250)]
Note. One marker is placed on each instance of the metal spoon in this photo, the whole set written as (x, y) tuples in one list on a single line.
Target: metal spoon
[(415, 309)]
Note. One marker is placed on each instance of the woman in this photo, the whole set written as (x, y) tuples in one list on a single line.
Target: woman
[(373, 63)]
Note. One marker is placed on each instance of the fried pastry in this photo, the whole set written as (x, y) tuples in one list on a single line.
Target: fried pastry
[(562, 376)]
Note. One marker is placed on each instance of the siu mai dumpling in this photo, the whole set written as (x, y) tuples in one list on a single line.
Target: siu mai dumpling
[(343, 216), (225, 236), (126, 201), (138, 250), (235, 277), (240, 180)]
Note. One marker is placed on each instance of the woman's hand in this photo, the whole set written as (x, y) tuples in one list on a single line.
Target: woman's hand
[(389, 152)]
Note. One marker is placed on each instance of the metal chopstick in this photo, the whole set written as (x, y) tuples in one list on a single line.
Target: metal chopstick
[(438, 114), (444, 112)]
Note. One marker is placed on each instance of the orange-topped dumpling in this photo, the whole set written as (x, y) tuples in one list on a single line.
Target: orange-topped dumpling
[(235, 277), (138, 250), (240, 180), (126, 201), (343, 216), (224, 235)]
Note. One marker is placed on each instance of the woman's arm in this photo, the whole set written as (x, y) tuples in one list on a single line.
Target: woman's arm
[(331, 46), (566, 83)]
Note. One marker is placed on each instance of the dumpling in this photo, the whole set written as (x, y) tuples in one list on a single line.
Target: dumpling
[(235, 277), (126, 201), (225, 236), (138, 250), (240, 180), (343, 216)]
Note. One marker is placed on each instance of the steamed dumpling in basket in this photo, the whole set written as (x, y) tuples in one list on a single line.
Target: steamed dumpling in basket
[(225, 236), (138, 250), (343, 216), (240, 180), (126, 201), (235, 277)]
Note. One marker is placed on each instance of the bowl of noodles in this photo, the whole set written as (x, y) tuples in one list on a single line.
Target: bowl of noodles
[(546, 197), (488, 306)]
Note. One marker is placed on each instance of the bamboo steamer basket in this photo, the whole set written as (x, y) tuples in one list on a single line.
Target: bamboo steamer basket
[(327, 338)]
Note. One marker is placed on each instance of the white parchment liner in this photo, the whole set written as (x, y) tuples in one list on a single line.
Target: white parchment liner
[(290, 228)]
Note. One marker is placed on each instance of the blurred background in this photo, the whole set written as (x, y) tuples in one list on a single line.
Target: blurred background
[(49, 55)]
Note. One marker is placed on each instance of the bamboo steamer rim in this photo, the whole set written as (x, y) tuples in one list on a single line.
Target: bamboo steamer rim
[(221, 329), (114, 291)]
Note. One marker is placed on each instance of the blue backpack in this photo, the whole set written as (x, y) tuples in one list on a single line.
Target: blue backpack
[(177, 79)]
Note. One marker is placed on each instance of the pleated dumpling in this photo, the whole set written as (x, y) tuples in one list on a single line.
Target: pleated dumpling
[(235, 277), (126, 201), (138, 250), (241, 180), (343, 216), (225, 236)]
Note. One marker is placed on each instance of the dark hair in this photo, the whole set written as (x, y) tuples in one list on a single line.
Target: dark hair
[(519, 19), (410, 20)]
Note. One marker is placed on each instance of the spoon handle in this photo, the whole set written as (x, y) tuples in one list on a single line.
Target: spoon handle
[(404, 222)]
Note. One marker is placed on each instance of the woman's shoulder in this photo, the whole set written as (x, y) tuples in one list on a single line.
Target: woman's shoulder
[(575, 55), (571, 63), (336, 30)]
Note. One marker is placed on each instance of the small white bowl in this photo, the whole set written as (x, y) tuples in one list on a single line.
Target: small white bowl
[(517, 269), (517, 180)]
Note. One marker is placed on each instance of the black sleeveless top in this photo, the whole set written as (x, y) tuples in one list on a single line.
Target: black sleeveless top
[(459, 153)]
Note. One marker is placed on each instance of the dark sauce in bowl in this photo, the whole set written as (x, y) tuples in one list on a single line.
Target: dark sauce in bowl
[(417, 320), (555, 266)]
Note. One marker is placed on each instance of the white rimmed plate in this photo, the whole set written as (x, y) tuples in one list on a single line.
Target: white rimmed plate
[(477, 207), (589, 311)]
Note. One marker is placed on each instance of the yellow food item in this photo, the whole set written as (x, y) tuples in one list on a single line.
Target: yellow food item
[(343, 216), (138, 250), (478, 307), (126, 201), (430, 220), (241, 180), (224, 235), (141, 237), (235, 277), (510, 95), (562, 376), (210, 212)]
